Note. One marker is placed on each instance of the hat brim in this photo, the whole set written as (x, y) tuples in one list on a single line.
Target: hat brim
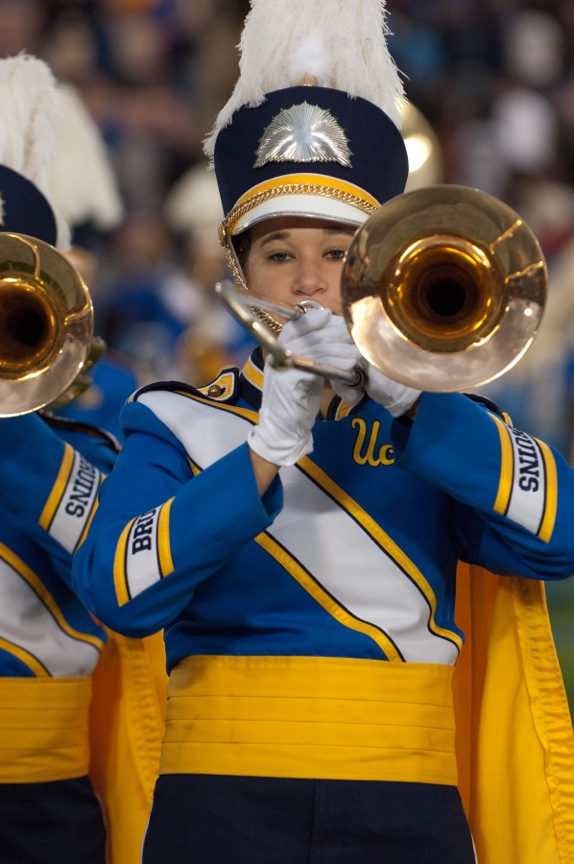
[(309, 206)]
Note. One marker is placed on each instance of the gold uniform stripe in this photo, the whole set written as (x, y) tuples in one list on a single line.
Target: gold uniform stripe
[(383, 540), (25, 657), (248, 413), (326, 600), (89, 519), (551, 503), (164, 549), (506, 467), (38, 586), (252, 374), (195, 469), (44, 729), (315, 717), (342, 411), (120, 575), (58, 488)]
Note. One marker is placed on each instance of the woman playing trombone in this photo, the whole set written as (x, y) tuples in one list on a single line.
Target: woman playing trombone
[(301, 541)]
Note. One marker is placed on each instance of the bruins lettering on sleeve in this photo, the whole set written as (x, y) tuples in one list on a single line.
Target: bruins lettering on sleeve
[(527, 491), (72, 500), (143, 554)]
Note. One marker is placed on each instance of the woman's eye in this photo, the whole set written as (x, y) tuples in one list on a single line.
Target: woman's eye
[(337, 254), (279, 256)]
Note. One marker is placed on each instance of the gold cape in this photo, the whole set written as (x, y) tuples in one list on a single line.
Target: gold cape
[(127, 725), (515, 744)]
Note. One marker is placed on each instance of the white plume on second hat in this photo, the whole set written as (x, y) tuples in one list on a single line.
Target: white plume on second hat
[(30, 106), (193, 206), (81, 183)]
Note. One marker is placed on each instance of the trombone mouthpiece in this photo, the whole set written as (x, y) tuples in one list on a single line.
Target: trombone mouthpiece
[(307, 305)]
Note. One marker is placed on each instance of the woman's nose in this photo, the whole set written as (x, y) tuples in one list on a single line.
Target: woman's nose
[(310, 279)]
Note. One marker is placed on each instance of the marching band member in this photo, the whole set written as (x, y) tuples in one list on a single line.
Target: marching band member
[(313, 558), (80, 710)]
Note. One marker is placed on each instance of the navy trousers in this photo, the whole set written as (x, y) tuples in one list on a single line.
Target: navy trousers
[(209, 819), (60, 822)]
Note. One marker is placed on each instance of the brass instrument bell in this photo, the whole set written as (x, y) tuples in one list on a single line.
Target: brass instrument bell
[(443, 288), (46, 325)]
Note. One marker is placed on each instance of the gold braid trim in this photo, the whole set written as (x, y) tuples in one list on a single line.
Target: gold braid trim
[(239, 280), (296, 189)]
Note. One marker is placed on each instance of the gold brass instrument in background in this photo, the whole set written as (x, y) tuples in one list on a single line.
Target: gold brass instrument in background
[(46, 327), (443, 289)]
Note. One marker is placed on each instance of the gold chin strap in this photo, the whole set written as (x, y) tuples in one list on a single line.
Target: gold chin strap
[(239, 279)]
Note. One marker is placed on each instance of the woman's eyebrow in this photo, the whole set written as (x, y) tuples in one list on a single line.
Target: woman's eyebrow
[(278, 235), (285, 235), (340, 230)]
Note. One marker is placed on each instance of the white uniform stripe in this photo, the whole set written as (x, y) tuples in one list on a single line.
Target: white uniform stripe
[(340, 554), (26, 622), (356, 571)]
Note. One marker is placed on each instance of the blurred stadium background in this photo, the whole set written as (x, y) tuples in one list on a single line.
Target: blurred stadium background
[(493, 85)]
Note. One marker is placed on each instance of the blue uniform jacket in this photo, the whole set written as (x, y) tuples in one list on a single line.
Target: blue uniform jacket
[(350, 553), (51, 470)]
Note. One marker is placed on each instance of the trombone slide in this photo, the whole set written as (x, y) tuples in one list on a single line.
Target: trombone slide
[(241, 305)]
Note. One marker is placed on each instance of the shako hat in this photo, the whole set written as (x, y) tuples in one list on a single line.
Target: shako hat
[(312, 127)]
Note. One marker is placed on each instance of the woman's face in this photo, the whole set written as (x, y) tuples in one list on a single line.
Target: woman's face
[(291, 259)]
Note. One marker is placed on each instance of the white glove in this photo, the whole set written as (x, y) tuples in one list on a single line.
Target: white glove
[(291, 398), (346, 356), (396, 398)]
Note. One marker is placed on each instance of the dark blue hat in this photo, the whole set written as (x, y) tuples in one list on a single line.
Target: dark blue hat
[(308, 151), (24, 209)]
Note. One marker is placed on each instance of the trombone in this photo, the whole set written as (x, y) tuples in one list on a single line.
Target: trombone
[(443, 289), (244, 306), (47, 338)]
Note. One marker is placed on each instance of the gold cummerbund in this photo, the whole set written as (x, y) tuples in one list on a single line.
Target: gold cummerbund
[(315, 717), (44, 729)]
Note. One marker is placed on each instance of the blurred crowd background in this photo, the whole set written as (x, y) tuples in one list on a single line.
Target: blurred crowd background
[(493, 81)]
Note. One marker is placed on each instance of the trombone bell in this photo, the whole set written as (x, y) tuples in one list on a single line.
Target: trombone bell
[(46, 324), (443, 288), (30, 327)]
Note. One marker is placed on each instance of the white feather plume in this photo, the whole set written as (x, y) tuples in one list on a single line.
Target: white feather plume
[(340, 43), (193, 201), (30, 127), (82, 184)]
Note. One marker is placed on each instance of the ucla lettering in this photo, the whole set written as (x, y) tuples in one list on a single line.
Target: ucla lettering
[(82, 490), (142, 532), (373, 453)]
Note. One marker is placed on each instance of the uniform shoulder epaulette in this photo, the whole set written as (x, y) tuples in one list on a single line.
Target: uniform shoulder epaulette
[(492, 406), (70, 425), (224, 388)]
